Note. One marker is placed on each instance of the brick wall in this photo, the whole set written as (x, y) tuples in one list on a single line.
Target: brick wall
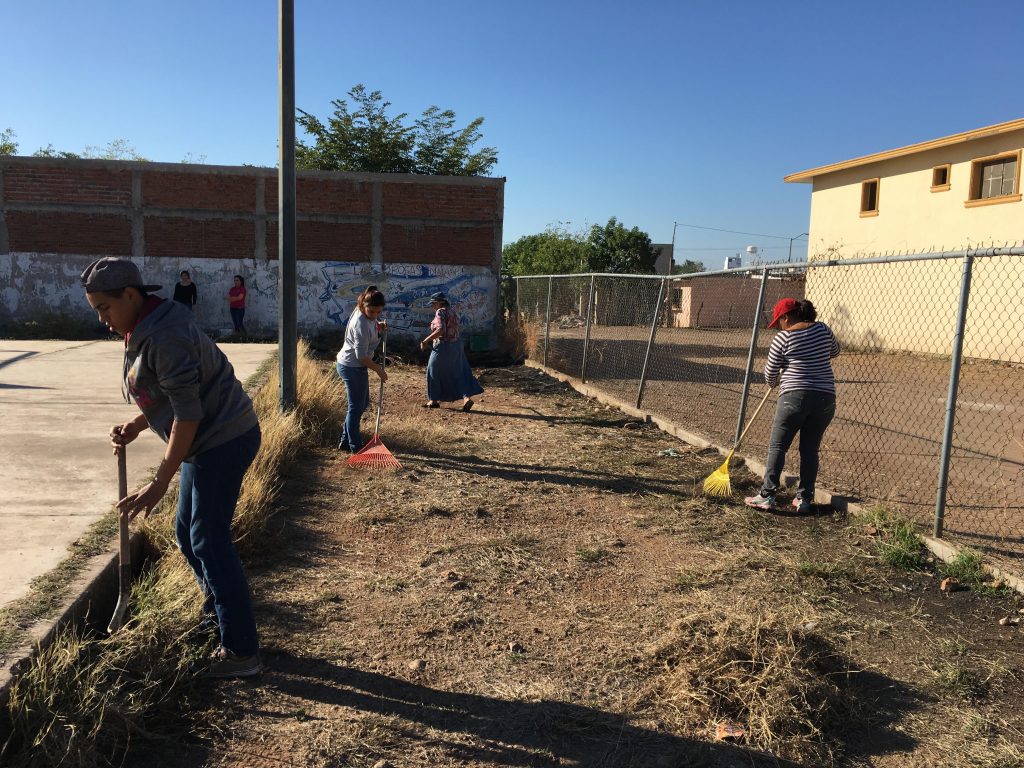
[(135, 209)]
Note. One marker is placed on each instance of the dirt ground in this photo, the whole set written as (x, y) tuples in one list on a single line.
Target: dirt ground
[(885, 441), (538, 586)]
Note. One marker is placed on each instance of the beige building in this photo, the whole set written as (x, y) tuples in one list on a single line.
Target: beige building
[(956, 192)]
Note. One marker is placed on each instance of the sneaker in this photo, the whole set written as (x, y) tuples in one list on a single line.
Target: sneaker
[(224, 663), (760, 502), (802, 507)]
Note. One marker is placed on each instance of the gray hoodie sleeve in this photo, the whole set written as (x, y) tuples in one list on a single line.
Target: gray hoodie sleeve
[(177, 363), (364, 337)]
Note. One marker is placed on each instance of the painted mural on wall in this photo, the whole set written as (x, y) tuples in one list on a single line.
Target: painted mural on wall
[(32, 284), (408, 288)]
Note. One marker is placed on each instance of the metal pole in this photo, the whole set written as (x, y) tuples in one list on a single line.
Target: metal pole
[(650, 341), (750, 354), (954, 386), (547, 323), (586, 336), (287, 302)]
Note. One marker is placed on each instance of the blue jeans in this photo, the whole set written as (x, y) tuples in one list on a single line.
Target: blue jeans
[(357, 390), (808, 412), (237, 316), (208, 491)]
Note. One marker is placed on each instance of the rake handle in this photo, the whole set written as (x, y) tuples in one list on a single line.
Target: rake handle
[(124, 547), (751, 421), (380, 394)]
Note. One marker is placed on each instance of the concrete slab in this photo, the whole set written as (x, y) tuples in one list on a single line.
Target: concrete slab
[(58, 400)]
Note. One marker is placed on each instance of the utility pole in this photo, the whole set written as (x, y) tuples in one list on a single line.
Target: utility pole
[(287, 330)]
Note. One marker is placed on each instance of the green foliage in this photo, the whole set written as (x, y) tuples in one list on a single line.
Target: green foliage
[(688, 267), (8, 145), (117, 149), (368, 139), (613, 248), (554, 251), (967, 568), (557, 251), (898, 544)]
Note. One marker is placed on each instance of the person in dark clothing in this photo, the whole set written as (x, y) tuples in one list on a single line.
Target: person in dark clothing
[(189, 396), (185, 291)]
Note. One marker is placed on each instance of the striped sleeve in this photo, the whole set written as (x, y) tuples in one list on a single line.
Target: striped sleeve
[(776, 357), (834, 352)]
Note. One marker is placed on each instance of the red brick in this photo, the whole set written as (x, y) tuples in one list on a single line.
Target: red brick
[(84, 233), (200, 238), (324, 241), (91, 186), (199, 191), (470, 246), (455, 202), (337, 196)]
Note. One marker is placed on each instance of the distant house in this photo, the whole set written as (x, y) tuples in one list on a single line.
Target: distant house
[(956, 192)]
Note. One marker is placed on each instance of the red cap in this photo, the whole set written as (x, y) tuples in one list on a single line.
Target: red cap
[(782, 307)]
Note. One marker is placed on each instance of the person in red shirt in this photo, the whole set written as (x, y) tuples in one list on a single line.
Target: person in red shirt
[(236, 304)]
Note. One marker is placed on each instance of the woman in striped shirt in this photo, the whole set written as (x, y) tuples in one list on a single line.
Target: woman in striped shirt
[(800, 364)]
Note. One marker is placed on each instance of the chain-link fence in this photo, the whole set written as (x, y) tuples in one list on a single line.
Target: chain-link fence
[(930, 382)]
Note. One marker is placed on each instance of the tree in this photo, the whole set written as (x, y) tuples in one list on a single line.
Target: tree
[(613, 248), (8, 145), (117, 149), (554, 251), (367, 139), (688, 268)]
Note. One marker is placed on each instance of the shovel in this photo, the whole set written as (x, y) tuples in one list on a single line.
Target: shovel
[(125, 558)]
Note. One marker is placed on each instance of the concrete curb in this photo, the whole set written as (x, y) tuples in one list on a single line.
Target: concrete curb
[(941, 548), (93, 592)]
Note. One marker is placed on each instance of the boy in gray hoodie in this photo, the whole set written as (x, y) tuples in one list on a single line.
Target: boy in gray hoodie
[(189, 396)]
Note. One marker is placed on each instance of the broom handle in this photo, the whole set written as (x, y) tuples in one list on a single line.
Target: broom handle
[(380, 395), (750, 423)]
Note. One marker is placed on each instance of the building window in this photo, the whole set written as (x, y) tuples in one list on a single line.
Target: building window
[(995, 180), (869, 197), (940, 178)]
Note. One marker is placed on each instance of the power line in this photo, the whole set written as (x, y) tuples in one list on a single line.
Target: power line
[(736, 232), (738, 248)]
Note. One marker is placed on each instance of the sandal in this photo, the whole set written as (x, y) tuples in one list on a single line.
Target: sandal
[(467, 406), (431, 404)]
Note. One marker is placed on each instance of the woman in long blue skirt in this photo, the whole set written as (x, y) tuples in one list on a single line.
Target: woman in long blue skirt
[(449, 377)]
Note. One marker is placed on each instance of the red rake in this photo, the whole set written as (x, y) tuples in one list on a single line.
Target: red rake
[(375, 455)]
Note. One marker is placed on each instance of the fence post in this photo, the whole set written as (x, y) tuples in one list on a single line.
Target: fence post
[(750, 354), (586, 336), (954, 386), (547, 322), (650, 341)]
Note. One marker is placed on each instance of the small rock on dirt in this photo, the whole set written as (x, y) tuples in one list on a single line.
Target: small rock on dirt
[(632, 425), (459, 585), (417, 665), (516, 648), (1007, 621), (728, 731), (950, 584), (382, 764)]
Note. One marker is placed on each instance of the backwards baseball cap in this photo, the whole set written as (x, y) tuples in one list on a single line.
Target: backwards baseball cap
[(111, 273), (439, 296), (783, 307)]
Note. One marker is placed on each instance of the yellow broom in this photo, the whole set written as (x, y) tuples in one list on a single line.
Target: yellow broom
[(718, 483)]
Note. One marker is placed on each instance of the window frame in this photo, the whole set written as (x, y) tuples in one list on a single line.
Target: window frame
[(948, 168), (976, 165), (865, 212)]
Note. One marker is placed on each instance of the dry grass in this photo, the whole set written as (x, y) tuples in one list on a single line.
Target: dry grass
[(83, 700), (762, 668)]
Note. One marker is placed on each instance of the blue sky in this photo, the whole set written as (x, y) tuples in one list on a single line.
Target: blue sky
[(653, 112)]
